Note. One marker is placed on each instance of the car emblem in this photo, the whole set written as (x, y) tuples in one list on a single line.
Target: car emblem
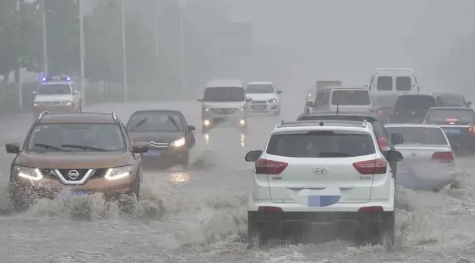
[(320, 170), (73, 174)]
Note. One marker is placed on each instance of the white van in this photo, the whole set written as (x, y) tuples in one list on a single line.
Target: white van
[(345, 98), (388, 81)]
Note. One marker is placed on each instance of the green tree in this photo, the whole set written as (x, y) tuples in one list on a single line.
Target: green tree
[(62, 29)]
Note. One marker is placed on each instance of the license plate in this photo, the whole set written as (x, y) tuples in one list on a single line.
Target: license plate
[(153, 153), (451, 131), (259, 107), (80, 193)]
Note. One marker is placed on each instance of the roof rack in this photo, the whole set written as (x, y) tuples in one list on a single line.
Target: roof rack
[(282, 123)]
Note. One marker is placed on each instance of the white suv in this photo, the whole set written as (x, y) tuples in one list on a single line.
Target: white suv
[(322, 178)]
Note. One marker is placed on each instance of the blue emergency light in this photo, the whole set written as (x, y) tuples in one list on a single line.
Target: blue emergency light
[(56, 78)]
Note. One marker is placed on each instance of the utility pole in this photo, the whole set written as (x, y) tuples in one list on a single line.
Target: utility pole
[(18, 69), (182, 55), (45, 47), (82, 51), (124, 52)]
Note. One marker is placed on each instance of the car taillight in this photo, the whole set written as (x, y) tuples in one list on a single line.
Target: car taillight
[(383, 144), (377, 166), (270, 209), (264, 166), (370, 209), (443, 157), (471, 129), (380, 112)]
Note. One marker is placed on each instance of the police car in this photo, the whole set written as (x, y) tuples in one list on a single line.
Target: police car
[(56, 94), (321, 180)]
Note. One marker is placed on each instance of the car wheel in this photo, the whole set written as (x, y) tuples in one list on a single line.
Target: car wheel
[(256, 238), (387, 232), (127, 201), (185, 160), (19, 200)]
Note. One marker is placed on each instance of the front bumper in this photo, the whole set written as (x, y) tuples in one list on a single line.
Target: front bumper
[(157, 157), (210, 119), (52, 187), (57, 108), (263, 107)]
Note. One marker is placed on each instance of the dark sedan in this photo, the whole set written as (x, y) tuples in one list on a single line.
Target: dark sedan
[(168, 133)]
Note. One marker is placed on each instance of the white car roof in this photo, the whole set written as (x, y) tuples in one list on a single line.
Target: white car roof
[(55, 82), (260, 83), (224, 83), (331, 125)]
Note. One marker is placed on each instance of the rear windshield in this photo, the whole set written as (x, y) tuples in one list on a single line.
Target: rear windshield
[(385, 101), (458, 115), (260, 89), (403, 84), (377, 125), (419, 135), (452, 100), (415, 102), (384, 83), (350, 97), (155, 121), (323, 144), (224, 94)]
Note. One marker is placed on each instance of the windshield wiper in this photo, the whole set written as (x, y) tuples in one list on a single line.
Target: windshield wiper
[(83, 147), (47, 146)]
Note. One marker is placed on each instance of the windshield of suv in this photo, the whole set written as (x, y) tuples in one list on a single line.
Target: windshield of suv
[(419, 135), (82, 137), (260, 88), (154, 122), (54, 89), (452, 100), (456, 115), (224, 94), (350, 97), (321, 144)]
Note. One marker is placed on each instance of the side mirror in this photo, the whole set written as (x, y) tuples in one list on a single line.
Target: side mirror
[(199, 99), (248, 99), (253, 156), (191, 128), (140, 147), (12, 148), (279, 92), (75, 92), (33, 92), (456, 146), (394, 156), (309, 104), (397, 138)]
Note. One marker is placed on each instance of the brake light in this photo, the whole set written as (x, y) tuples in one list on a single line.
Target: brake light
[(383, 144), (380, 112), (471, 129), (443, 157), (370, 209), (451, 120), (270, 209), (377, 166), (264, 166)]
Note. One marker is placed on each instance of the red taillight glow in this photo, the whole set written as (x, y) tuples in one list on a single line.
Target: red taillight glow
[(471, 129), (270, 209), (380, 112), (264, 166), (377, 166), (443, 157), (370, 209), (451, 120), (383, 144)]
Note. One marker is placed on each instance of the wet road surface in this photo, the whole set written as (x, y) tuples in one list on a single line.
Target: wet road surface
[(199, 214)]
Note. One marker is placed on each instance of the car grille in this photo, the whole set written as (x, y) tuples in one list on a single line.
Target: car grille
[(259, 102), (51, 103), (51, 174), (224, 111)]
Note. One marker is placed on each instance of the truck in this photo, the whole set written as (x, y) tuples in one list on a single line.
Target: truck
[(311, 95)]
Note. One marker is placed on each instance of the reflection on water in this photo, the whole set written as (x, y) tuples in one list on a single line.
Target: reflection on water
[(242, 139), (206, 138), (179, 177)]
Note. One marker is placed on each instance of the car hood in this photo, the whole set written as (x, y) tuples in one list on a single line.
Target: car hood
[(73, 160), (41, 98), (234, 104), (158, 137), (261, 96)]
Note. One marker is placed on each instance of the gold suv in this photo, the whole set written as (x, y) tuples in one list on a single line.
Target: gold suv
[(80, 153)]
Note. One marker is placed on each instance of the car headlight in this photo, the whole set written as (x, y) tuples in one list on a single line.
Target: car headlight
[(239, 109), (178, 143), (66, 103), (117, 173), (208, 109), (28, 173), (272, 100), (36, 104)]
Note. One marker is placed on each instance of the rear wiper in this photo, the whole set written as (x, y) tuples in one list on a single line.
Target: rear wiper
[(83, 147), (333, 154), (47, 146)]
